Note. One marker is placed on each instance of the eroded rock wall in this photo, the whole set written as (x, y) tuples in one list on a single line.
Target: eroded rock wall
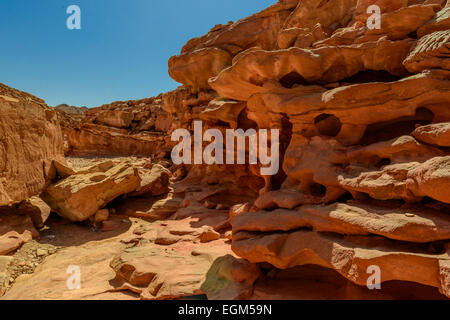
[(364, 121), (122, 128), (30, 139), (364, 175)]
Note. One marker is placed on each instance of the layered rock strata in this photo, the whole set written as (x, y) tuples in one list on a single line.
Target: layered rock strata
[(364, 173), (31, 140), (122, 128), (363, 119)]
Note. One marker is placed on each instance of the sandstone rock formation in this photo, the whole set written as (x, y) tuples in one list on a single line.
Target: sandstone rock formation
[(37, 209), (11, 241), (154, 181), (117, 129), (157, 273), (122, 263), (31, 144), (363, 117), (434, 134), (81, 195), (364, 173), (31, 140)]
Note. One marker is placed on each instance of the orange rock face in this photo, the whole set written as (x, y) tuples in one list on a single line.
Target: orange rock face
[(434, 134), (31, 140), (118, 129), (363, 119)]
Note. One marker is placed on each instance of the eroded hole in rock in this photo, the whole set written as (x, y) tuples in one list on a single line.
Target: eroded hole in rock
[(438, 247), (370, 76), (316, 282), (285, 140), (383, 162), (346, 197), (436, 205), (244, 122), (218, 123), (266, 267), (424, 115), (328, 124), (318, 190), (383, 131), (413, 35), (292, 79)]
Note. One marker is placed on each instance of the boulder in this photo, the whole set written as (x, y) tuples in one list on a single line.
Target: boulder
[(154, 181), (12, 240), (11, 219), (435, 134), (37, 209), (80, 196)]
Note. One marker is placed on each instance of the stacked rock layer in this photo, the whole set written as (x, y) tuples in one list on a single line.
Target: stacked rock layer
[(364, 116)]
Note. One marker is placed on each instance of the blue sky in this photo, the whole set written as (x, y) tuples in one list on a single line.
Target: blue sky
[(120, 53)]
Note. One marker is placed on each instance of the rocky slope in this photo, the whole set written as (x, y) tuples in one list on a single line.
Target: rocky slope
[(363, 183)]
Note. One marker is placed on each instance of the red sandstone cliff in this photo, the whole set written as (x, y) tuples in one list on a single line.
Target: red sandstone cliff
[(364, 116), (365, 166)]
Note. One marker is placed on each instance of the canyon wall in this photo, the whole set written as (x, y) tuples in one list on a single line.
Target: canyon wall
[(364, 178), (364, 120), (31, 140), (121, 128)]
